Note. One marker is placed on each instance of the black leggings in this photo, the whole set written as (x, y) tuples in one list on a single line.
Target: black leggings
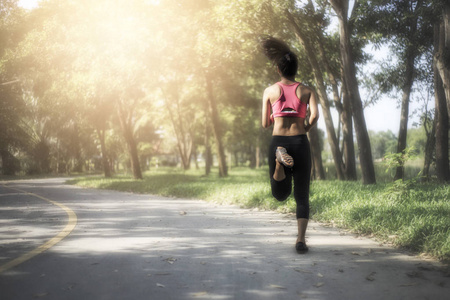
[(297, 147)]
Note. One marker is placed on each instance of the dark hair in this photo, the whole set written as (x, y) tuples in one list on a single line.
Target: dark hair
[(280, 54)]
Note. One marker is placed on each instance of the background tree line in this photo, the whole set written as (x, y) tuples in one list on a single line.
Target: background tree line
[(88, 85)]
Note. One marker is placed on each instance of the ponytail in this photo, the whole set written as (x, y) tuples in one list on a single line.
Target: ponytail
[(280, 54)]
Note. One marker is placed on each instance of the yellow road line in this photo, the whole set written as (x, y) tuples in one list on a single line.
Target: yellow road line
[(71, 223)]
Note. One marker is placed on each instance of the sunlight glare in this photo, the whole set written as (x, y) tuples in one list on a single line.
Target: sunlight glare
[(28, 4)]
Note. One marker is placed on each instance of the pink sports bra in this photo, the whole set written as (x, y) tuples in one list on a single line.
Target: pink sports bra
[(289, 100)]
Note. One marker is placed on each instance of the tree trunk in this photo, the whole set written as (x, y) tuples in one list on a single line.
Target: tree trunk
[(58, 156), (185, 154), (208, 154), (402, 134), (78, 161), (132, 148), (347, 136), (258, 156), (442, 53), (252, 157), (105, 162), (442, 113), (195, 154), (365, 152), (184, 138), (217, 128), (127, 130), (9, 162), (317, 170), (321, 91), (429, 150)]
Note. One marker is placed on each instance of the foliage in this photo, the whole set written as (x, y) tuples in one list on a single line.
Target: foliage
[(14, 134), (382, 142), (393, 160), (95, 73)]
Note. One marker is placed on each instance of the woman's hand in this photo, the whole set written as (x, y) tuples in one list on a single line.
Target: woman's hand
[(307, 128)]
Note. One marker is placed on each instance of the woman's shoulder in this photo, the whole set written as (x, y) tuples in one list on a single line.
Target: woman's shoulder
[(306, 89), (305, 86), (273, 89), (274, 86)]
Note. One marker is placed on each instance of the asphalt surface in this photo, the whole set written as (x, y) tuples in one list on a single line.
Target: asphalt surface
[(130, 246)]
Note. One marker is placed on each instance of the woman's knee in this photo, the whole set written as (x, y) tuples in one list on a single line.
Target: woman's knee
[(281, 195), (302, 211), (281, 189)]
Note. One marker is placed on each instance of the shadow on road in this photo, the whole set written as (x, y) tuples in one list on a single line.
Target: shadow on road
[(129, 246)]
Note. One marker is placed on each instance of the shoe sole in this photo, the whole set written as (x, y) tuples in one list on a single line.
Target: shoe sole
[(280, 159)]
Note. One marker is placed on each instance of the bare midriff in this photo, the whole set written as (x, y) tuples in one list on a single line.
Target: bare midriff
[(286, 126)]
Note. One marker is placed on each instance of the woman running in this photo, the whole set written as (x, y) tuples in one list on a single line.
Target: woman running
[(285, 104)]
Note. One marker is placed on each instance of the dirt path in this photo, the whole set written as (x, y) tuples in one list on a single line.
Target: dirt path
[(128, 246)]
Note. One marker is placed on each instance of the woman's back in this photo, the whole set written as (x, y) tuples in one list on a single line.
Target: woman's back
[(287, 125)]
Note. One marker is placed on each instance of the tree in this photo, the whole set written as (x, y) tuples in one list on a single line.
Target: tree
[(365, 154), (442, 89), (321, 88), (408, 38), (348, 147), (14, 134), (316, 142)]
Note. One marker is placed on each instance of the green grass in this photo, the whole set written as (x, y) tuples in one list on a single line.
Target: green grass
[(408, 214), (412, 169)]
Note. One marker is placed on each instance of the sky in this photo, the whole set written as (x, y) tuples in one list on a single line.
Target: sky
[(383, 116), (28, 3)]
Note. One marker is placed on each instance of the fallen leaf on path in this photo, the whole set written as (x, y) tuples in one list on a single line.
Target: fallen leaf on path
[(408, 284), (356, 253), (182, 213), (277, 286), (319, 284), (371, 277), (200, 294), (160, 285), (170, 260), (40, 295), (319, 275), (302, 270)]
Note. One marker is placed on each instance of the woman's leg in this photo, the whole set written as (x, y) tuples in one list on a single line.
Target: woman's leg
[(280, 176), (302, 224), (302, 177)]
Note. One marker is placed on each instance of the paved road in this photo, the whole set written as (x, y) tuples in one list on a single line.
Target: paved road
[(128, 246)]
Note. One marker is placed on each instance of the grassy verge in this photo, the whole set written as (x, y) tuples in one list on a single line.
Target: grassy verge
[(409, 214)]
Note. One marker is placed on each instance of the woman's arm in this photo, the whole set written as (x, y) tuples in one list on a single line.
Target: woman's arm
[(313, 109), (266, 110)]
